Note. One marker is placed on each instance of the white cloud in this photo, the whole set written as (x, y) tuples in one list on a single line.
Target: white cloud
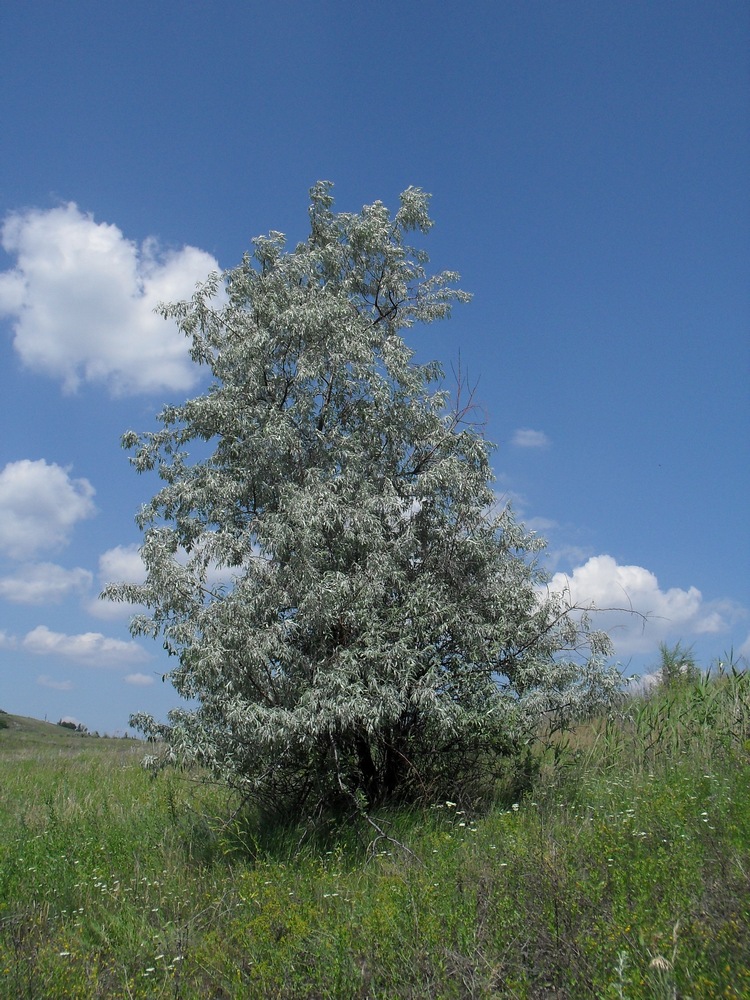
[(7, 641), (45, 681), (39, 505), (122, 564), (82, 300), (89, 648), (142, 680), (524, 437), (660, 615), (643, 683), (567, 555), (43, 583)]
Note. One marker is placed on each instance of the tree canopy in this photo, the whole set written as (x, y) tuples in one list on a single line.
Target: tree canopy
[(352, 612)]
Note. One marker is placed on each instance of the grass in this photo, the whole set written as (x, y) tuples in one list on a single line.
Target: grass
[(624, 872)]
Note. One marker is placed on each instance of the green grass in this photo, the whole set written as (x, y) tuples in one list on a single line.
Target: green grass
[(624, 872)]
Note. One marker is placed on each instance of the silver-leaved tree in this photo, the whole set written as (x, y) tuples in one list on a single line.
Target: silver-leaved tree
[(352, 615)]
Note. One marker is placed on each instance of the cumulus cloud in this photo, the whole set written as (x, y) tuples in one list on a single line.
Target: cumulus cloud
[(43, 583), (81, 297), (45, 681), (121, 564), (524, 437), (660, 615), (39, 505), (89, 648), (140, 680)]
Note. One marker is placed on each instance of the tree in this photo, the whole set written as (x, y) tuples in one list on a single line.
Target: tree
[(677, 666), (350, 612)]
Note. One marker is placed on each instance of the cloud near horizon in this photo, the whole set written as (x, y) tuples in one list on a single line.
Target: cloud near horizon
[(81, 298), (44, 680), (658, 615), (39, 506)]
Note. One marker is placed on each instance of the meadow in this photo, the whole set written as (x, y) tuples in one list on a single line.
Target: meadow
[(614, 864)]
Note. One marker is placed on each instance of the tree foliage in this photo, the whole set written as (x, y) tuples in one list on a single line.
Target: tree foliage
[(352, 613), (677, 666)]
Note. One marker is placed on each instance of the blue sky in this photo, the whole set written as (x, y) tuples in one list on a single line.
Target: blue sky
[(588, 163)]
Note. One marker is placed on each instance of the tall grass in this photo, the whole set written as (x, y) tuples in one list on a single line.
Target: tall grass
[(623, 872)]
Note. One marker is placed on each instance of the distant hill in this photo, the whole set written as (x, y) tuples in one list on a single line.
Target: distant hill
[(23, 736)]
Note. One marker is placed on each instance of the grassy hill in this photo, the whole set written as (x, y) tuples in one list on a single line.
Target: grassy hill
[(23, 736), (622, 872)]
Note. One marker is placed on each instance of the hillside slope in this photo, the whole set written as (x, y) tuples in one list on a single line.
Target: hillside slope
[(23, 736)]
